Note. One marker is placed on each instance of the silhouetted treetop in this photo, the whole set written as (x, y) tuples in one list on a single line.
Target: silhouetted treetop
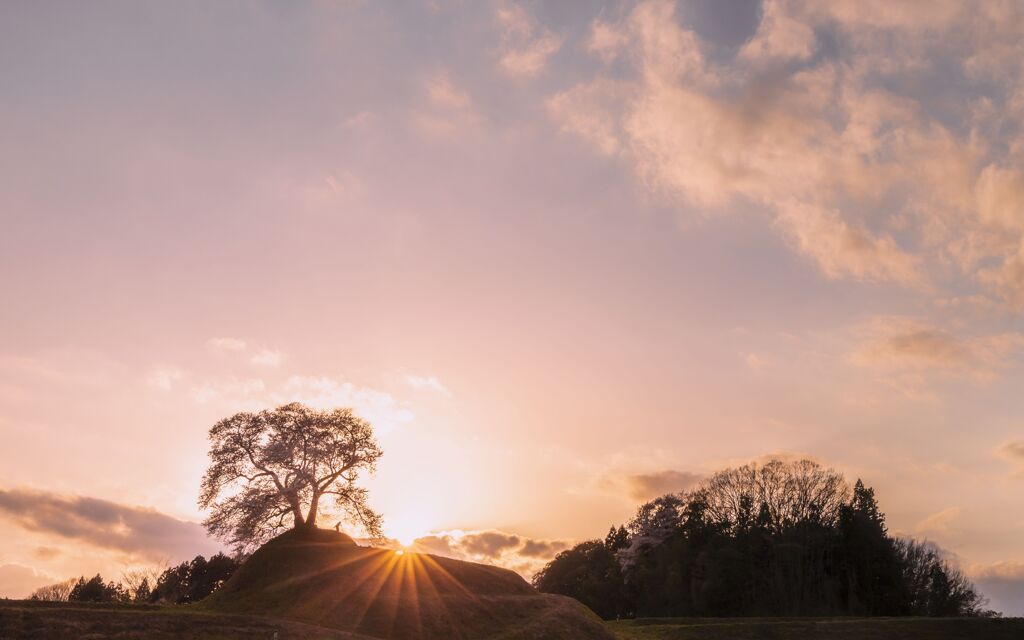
[(274, 469), (783, 538), (788, 492), (864, 505), (193, 581), (96, 590)]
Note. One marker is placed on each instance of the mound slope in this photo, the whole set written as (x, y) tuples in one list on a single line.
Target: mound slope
[(322, 577)]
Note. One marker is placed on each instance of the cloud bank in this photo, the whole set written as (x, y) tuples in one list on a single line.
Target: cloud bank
[(521, 554), (109, 525), (825, 121), (1003, 584), (646, 486)]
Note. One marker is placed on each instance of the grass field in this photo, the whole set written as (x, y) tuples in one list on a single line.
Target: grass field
[(819, 629), (22, 620), (25, 620)]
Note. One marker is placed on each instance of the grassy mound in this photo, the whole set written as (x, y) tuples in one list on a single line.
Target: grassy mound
[(322, 578), (819, 628)]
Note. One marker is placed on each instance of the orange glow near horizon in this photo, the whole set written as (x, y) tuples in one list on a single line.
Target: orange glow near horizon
[(411, 520)]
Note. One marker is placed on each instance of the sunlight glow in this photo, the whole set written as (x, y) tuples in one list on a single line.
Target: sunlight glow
[(409, 525)]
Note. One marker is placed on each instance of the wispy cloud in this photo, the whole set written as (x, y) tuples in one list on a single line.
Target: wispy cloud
[(779, 36), (448, 110), (164, 379), (521, 554), (379, 407), (234, 391), (939, 523), (226, 345), (842, 250), (430, 383), (899, 344), (443, 92), (261, 356), (267, 358), (645, 486), (606, 41), (1013, 451), (526, 46)]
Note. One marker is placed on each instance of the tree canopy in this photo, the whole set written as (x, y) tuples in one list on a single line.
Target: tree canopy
[(281, 468), (192, 581), (185, 583), (56, 592), (96, 590), (785, 538)]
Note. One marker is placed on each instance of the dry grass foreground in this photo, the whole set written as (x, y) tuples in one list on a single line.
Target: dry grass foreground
[(26, 620), (322, 578), (819, 629)]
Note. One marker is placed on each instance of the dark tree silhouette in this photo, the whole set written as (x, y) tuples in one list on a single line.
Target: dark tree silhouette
[(275, 469), (658, 517), (143, 592), (932, 586), (590, 573), (871, 570), (617, 538), (193, 581), (56, 592), (786, 538), (95, 590), (792, 492)]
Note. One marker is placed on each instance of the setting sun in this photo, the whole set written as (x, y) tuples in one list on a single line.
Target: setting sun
[(408, 522)]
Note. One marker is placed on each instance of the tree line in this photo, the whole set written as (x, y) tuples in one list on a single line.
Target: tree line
[(780, 539), (187, 582)]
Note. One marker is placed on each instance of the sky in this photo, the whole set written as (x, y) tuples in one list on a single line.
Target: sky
[(565, 257)]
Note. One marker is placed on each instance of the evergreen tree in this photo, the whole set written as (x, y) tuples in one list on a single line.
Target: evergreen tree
[(95, 590), (193, 581), (617, 538), (786, 539), (865, 506), (143, 593)]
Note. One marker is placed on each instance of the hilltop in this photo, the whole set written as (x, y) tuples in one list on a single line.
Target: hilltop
[(323, 578)]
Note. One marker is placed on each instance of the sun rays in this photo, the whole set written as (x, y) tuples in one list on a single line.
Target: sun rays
[(397, 590)]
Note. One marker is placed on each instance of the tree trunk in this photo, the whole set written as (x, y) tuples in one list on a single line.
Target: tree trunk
[(296, 512), (314, 505)]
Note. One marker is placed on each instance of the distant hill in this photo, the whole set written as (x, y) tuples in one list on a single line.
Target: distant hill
[(323, 578)]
